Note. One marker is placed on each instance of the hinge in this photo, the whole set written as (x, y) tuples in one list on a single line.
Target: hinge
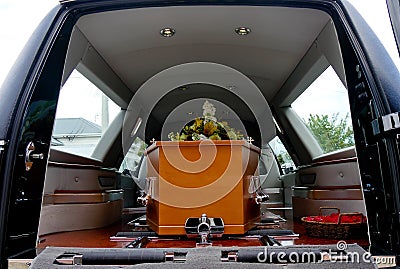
[(386, 123), (3, 144)]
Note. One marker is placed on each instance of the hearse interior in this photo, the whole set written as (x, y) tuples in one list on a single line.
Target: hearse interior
[(110, 190)]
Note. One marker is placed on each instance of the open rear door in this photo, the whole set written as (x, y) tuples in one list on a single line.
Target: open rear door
[(394, 14)]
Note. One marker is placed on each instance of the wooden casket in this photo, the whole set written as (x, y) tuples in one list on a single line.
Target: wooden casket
[(190, 178)]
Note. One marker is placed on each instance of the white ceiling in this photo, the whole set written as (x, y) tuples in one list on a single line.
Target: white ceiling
[(131, 44)]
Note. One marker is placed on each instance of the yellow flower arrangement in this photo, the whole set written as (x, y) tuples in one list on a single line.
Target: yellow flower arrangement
[(210, 128), (206, 127)]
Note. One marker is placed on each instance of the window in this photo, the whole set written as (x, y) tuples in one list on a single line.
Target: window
[(133, 157), (284, 160), (324, 108), (83, 114)]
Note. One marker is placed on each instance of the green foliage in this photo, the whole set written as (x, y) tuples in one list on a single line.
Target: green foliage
[(142, 148), (331, 133), (284, 157), (280, 159)]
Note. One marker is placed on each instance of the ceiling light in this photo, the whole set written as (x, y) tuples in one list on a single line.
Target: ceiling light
[(167, 32), (242, 30)]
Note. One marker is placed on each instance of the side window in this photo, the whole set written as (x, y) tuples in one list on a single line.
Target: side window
[(284, 160), (325, 110), (83, 114), (133, 157)]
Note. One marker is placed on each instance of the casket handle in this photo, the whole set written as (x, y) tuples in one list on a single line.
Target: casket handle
[(261, 197)]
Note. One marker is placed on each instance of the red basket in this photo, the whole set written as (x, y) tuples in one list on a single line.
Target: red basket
[(337, 230)]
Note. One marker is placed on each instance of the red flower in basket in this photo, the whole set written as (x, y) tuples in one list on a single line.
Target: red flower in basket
[(334, 218), (336, 225)]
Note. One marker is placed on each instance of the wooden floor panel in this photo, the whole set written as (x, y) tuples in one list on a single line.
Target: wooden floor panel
[(100, 238)]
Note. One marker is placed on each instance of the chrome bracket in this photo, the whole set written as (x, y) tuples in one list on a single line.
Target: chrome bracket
[(261, 197), (146, 195), (386, 123), (229, 256), (30, 156), (205, 228), (175, 257), (143, 199), (3, 144)]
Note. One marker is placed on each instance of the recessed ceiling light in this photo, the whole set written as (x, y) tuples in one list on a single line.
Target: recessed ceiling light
[(242, 30), (167, 32)]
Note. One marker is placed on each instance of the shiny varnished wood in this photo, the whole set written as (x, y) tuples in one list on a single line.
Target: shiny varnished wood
[(166, 243), (188, 183), (101, 238)]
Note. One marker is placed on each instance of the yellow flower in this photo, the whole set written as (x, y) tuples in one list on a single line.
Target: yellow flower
[(215, 137), (198, 122), (173, 136), (223, 123), (183, 137), (210, 128), (232, 135), (206, 127)]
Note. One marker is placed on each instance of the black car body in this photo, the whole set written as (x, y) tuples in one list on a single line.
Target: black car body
[(121, 53)]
